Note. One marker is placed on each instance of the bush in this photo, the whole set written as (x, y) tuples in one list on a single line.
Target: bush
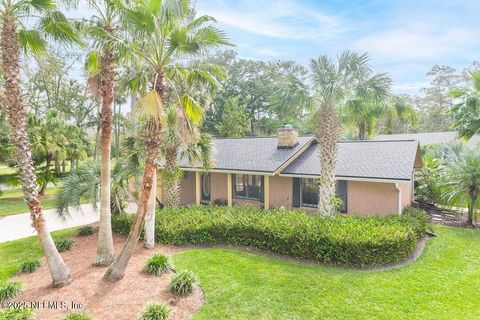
[(16, 314), (220, 202), (158, 264), (345, 240), (10, 290), (182, 283), (156, 311), (64, 244), (29, 265), (77, 316), (85, 231)]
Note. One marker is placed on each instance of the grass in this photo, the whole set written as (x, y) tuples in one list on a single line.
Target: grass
[(443, 284), (13, 253), (12, 202)]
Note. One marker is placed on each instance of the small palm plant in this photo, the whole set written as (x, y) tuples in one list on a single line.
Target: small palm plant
[(463, 190), (158, 264)]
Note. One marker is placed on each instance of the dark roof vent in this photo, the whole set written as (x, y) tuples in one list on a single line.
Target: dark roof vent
[(287, 137)]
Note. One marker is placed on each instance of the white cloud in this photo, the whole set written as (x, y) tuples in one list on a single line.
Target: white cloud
[(277, 19)]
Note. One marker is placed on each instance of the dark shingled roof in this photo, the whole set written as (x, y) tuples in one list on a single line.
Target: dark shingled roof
[(250, 154), (392, 160)]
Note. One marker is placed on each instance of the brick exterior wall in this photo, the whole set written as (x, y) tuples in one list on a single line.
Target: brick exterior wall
[(188, 188), (281, 189), (372, 198), (218, 186)]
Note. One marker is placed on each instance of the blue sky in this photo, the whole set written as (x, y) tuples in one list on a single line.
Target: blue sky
[(403, 38)]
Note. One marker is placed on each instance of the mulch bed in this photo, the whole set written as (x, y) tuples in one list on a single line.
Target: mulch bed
[(443, 216), (123, 300)]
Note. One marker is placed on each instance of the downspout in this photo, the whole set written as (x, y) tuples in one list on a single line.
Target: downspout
[(397, 187)]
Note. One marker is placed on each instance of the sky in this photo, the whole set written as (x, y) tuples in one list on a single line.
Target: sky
[(403, 38)]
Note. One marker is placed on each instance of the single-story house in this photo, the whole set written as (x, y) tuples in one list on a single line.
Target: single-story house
[(373, 177)]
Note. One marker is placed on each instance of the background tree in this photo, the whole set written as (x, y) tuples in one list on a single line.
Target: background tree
[(49, 23), (400, 116), (466, 113), (235, 121)]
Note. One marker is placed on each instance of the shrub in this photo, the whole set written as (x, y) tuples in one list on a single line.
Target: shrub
[(77, 316), (16, 314), (345, 240), (182, 283), (156, 311), (10, 290), (220, 202), (29, 265), (85, 231), (64, 244), (158, 264)]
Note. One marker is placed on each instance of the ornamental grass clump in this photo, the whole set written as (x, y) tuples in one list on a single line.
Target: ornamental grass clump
[(77, 316), (10, 290), (156, 311), (16, 314), (29, 265), (182, 283), (85, 231), (158, 264), (346, 240), (64, 244)]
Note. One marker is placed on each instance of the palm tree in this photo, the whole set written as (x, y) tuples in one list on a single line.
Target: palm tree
[(163, 32), (466, 114), (464, 186), (349, 83), (399, 114), (102, 67), (14, 36)]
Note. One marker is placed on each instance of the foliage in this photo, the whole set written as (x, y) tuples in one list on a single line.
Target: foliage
[(429, 178), (10, 290), (156, 311), (182, 283), (346, 240), (85, 231), (466, 114), (64, 244), (462, 188), (77, 316), (158, 264), (29, 265), (234, 121), (16, 314)]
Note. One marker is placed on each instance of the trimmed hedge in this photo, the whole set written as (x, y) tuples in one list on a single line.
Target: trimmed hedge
[(346, 240)]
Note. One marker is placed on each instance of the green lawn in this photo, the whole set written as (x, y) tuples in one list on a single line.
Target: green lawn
[(11, 202), (12, 253), (443, 284), (4, 169)]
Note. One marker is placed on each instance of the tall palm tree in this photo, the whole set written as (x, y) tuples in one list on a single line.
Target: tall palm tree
[(102, 67), (399, 114), (348, 83), (14, 36), (466, 113), (163, 32), (464, 186)]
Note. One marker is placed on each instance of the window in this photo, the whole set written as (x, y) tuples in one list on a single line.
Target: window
[(248, 187), (305, 193), (206, 186), (309, 193)]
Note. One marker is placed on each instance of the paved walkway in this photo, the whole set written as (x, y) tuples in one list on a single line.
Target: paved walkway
[(19, 226)]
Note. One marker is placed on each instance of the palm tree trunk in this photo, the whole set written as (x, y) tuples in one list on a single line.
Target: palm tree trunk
[(117, 268), (327, 133), (105, 251), (16, 115), (171, 178), (361, 130), (47, 174), (152, 146), (471, 207), (72, 164), (63, 166), (149, 238)]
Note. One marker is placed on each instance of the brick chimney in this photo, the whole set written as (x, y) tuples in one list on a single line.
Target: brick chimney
[(287, 137)]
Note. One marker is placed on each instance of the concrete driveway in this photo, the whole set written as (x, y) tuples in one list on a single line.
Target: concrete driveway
[(19, 226)]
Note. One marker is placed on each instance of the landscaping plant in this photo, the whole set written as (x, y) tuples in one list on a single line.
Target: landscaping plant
[(158, 264), (64, 244), (29, 265), (10, 290), (77, 316), (156, 311), (347, 240), (16, 314), (85, 231), (182, 283)]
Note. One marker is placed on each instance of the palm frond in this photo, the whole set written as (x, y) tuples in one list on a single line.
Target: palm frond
[(56, 25), (32, 40), (93, 63), (193, 110), (150, 108)]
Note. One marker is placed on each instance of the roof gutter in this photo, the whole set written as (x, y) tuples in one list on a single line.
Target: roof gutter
[(362, 179)]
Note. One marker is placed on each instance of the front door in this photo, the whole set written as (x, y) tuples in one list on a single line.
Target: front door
[(206, 187)]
